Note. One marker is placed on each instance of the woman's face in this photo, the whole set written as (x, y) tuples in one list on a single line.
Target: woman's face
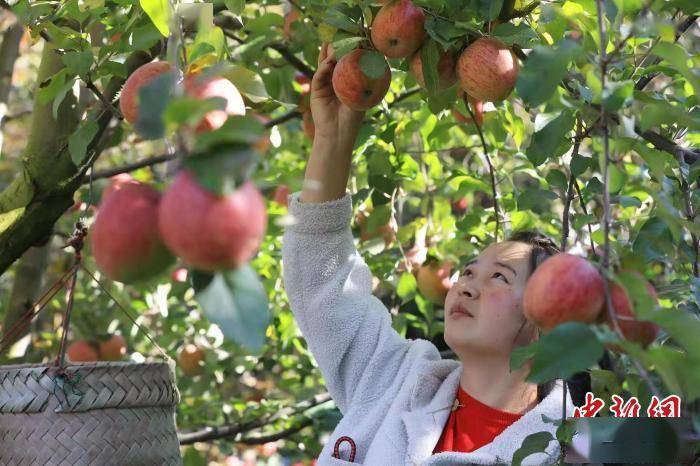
[(490, 288)]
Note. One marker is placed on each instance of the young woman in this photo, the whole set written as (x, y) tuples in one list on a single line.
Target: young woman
[(401, 403)]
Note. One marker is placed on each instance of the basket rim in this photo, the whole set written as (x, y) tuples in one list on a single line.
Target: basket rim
[(95, 364)]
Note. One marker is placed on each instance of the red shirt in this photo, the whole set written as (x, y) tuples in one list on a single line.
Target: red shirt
[(472, 425)]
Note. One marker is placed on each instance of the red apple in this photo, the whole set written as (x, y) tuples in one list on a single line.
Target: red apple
[(433, 280), (355, 89), (202, 87), (445, 70), (128, 100), (112, 349), (209, 231), (398, 29), (82, 351), (179, 275), (387, 231), (564, 288), (632, 329), (459, 207), (124, 237), (279, 195), (115, 182), (189, 358), (304, 81), (487, 70), (289, 19)]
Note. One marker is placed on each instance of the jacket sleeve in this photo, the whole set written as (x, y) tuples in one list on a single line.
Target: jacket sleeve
[(329, 287)]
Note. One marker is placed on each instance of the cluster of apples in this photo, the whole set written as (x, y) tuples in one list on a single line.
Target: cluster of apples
[(138, 231), (568, 288), (110, 349), (486, 70), (195, 85)]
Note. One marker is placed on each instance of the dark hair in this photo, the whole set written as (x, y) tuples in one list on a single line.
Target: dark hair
[(580, 382)]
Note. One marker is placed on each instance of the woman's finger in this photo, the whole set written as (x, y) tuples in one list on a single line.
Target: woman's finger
[(324, 53), (323, 74)]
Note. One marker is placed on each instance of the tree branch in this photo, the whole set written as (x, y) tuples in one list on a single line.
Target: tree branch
[(279, 48), (680, 29), (226, 431)]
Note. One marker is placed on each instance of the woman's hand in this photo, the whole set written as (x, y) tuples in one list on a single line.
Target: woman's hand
[(335, 123)]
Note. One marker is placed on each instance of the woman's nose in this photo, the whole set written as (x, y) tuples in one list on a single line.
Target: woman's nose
[(469, 291)]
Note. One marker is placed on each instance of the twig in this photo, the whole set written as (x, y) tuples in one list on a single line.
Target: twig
[(130, 167), (689, 214), (115, 111), (570, 189), (680, 29), (279, 48), (491, 171)]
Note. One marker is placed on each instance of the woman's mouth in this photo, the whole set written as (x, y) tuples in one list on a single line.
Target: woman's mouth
[(459, 310)]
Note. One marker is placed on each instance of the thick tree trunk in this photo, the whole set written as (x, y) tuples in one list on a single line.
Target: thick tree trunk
[(44, 188), (27, 287), (29, 271)]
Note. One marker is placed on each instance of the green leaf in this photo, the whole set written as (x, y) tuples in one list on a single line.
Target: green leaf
[(677, 57), (236, 301), (78, 62), (344, 46), (79, 140), (236, 130), (535, 199), (579, 164), (373, 64), (222, 169), (489, 9), (510, 34), (235, 6), (444, 32), (545, 67), (152, 101), (248, 82), (189, 110), (617, 95), (342, 21), (569, 348), (654, 240), (558, 179), (407, 286), (616, 178), (429, 55), (533, 443), (48, 90), (159, 13), (551, 141)]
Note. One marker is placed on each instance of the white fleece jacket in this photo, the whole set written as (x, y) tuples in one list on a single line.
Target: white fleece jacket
[(395, 394)]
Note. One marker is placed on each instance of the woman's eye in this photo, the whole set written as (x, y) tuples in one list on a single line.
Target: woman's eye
[(502, 276), (466, 271)]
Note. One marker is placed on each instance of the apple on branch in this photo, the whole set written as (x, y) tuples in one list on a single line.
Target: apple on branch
[(353, 87)]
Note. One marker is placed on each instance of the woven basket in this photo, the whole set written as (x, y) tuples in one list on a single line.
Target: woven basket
[(113, 413)]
